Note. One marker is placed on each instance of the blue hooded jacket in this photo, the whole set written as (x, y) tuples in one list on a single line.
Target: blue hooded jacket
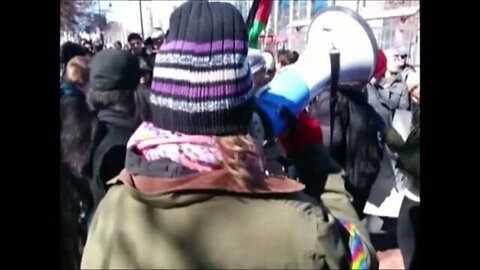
[(68, 88)]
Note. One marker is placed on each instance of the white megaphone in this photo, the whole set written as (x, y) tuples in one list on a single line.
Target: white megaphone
[(336, 30)]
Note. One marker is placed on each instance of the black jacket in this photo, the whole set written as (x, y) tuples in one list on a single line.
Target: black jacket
[(356, 142), (109, 155)]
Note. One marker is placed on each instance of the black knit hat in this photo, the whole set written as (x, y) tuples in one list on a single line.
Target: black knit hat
[(202, 81), (114, 70)]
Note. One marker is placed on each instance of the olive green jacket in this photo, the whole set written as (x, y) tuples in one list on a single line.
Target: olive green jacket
[(210, 221)]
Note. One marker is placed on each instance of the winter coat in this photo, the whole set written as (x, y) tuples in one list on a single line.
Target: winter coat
[(394, 92), (161, 215), (408, 159), (356, 142), (69, 89), (108, 160)]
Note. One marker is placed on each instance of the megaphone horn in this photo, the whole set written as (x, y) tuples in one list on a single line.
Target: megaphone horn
[(334, 29)]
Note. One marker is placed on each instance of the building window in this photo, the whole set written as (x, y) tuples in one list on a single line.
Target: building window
[(300, 10)]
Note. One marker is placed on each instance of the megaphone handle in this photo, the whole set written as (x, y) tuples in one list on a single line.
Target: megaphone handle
[(334, 71)]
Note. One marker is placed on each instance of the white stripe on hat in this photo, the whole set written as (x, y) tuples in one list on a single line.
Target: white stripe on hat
[(200, 106), (218, 60), (214, 76)]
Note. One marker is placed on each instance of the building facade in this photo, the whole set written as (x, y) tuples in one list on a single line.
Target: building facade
[(393, 23)]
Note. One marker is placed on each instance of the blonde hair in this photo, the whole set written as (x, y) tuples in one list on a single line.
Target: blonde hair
[(242, 158), (77, 70)]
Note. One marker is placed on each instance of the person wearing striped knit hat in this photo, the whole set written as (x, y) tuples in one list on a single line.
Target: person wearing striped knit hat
[(193, 193)]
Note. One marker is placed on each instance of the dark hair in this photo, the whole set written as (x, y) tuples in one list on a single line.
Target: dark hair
[(69, 50), (128, 101), (133, 36), (78, 128), (118, 43), (98, 47), (148, 42), (293, 55), (286, 57), (283, 58), (120, 100)]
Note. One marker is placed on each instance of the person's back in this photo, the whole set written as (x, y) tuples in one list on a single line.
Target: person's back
[(276, 228), (194, 194), (114, 78), (356, 142), (213, 220)]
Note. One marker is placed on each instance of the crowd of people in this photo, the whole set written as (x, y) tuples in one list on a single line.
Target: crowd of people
[(159, 168)]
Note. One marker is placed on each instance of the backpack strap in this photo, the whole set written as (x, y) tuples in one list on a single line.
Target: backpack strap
[(109, 140), (334, 72)]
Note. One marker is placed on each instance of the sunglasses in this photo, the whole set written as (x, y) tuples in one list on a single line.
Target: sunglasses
[(400, 56)]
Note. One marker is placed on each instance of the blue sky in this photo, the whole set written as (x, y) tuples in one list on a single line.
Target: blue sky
[(126, 12)]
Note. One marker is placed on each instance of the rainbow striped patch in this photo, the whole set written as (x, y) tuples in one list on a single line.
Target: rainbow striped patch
[(357, 250)]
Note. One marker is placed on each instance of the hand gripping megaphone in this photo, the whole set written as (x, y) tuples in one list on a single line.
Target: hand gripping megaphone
[(334, 31)]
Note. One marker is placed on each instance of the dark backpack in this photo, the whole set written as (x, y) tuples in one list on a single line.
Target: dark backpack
[(356, 143), (108, 158)]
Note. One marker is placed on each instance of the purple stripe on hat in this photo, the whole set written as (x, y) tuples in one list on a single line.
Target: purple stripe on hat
[(212, 91), (204, 47)]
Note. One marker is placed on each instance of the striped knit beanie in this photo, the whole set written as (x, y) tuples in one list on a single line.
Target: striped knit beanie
[(201, 82)]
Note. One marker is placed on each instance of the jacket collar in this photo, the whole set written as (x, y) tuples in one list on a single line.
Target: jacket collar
[(165, 176), (118, 118)]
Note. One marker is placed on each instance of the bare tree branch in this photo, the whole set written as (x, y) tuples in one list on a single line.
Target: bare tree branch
[(71, 11)]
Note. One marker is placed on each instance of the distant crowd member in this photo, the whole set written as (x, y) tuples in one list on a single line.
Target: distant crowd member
[(148, 46), (397, 94), (135, 43), (89, 47), (76, 77), (145, 60), (194, 194), (374, 89), (117, 45)]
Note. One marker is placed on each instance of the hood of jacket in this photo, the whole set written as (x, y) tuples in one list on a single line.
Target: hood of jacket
[(118, 118)]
